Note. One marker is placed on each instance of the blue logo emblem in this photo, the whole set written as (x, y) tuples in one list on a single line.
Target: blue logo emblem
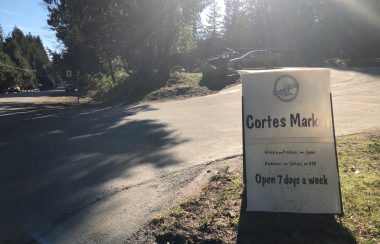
[(286, 88)]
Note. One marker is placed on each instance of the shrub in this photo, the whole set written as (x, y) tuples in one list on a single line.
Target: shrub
[(218, 79)]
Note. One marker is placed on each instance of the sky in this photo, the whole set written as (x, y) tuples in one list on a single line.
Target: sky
[(29, 16)]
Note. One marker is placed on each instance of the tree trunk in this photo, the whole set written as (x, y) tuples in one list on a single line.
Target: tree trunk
[(112, 72), (125, 66)]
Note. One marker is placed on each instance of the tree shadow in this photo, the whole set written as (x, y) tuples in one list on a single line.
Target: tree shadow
[(56, 160), (267, 228)]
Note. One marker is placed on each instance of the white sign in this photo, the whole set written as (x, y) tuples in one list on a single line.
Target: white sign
[(69, 73), (289, 142)]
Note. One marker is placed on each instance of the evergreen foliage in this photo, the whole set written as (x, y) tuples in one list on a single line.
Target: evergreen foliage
[(214, 20), (141, 34), (142, 37), (23, 61), (311, 30)]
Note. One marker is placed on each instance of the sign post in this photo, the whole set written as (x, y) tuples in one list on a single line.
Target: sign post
[(289, 142)]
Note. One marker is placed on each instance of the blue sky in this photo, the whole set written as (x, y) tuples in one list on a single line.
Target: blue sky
[(29, 16)]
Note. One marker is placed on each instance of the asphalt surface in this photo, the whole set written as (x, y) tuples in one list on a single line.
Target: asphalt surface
[(78, 175)]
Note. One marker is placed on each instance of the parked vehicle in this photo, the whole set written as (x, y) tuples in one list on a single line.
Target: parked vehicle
[(255, 59), (222, 58), (69, 87), (14, 88)]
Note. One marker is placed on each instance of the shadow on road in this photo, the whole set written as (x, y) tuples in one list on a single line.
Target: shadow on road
[(268, 228), (56, 159)]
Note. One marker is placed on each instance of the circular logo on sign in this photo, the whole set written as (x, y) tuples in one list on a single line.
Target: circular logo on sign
[(286, 88)]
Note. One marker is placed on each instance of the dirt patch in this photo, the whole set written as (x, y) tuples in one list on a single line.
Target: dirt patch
[(180, 85)]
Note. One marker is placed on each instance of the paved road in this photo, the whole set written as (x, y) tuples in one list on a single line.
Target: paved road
[(79, 175)]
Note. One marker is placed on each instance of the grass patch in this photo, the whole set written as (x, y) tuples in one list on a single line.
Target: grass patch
[(211, 217), (360, 180), (216, 215), (180, 84)]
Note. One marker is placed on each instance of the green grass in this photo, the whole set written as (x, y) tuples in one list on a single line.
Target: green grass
[(360, 168), (216, 214)]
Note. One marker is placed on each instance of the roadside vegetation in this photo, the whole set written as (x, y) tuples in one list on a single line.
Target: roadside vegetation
[(124, 50), (215, 215), (179, 85), (24, 61)]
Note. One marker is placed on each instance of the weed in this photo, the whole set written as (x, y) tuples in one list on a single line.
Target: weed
[(177, 212), (187, 202)]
